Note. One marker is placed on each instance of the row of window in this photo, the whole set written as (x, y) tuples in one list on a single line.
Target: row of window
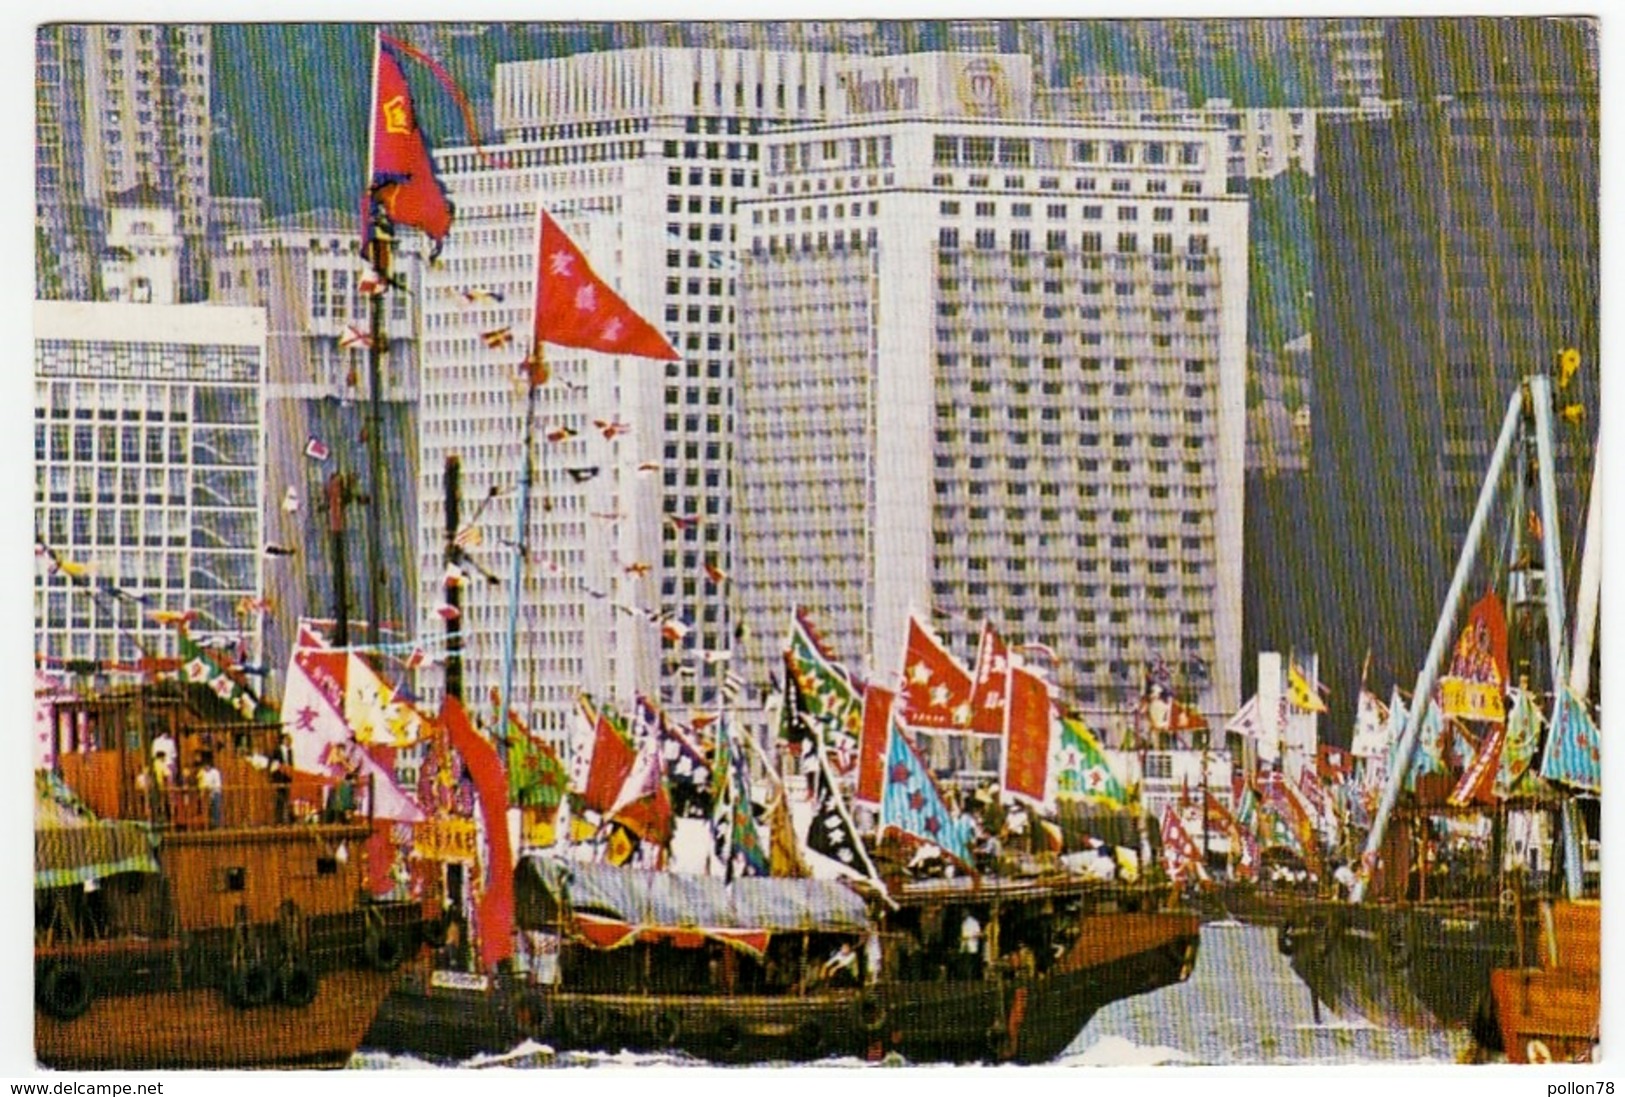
[(1019, 240), (1060, 211), (950, 150)]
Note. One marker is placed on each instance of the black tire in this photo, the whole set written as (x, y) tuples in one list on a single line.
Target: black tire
[(808, 1040), (251, 986), (1286, 939), (665, 1029), (585, 1025), (437, 931), (728, 1038), (872, 1015), (383, 951), (65, 991), (297, 985)]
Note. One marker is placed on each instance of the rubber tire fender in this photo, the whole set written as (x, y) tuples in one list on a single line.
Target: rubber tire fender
[(665, 1029), (383, 951), (872, 1015), (297, 984), (250, 986), (585, 1025), (728, 1038), (808, 1039), (436, 931), (65, 991), (1286, 939)]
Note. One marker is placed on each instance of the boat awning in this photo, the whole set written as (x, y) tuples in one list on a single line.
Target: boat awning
[(673, 903), (71, 846)]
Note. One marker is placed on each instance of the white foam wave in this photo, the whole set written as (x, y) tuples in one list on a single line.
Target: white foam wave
[(1117, 1051)]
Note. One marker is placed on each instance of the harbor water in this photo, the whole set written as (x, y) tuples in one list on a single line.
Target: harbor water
[(1241, 1005)]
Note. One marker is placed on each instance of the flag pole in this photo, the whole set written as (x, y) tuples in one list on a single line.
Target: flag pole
[(533, 371)]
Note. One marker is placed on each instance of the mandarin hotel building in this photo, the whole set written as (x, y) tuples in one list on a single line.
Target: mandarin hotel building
[(993, 368)]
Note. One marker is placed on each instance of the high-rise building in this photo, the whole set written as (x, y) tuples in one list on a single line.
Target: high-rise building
[(118, 107), (993, 368), (641, 155), (1457, 252), (148, 446), (306, 271)]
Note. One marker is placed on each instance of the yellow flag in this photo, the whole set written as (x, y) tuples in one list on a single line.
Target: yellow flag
[(621, 845), (784, 853), (1300, 693)]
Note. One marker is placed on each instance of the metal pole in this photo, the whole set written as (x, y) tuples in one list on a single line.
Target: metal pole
[(1557, 635), (1441, 640), (1551, 541), (1588, 596)]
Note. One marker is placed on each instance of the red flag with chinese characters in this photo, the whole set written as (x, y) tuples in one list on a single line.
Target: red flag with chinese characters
[(936, 689), (991, 687), (495, 914), (575, 308), (877, 706), (1027, 731), (400, 175)]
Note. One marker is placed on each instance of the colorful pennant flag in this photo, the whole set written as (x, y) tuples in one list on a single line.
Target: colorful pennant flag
[(990, 686), (497, 337), (316, 449), (912, 804), (936, 689), (576, 308), (1573, 750), (1181, 859), (401, 185), (1300, 693), (1027, 736), (1081, 772), (829, 698), (611, 761), (877, 714)]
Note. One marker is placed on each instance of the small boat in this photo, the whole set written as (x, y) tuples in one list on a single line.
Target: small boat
[(176, 932), (768, 969)]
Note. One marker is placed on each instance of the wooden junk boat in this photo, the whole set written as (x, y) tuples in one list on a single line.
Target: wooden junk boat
[(770, 969), (1417, 944), (165, 938)]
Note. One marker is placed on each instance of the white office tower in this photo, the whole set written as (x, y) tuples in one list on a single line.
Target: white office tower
[(993, 367), (148, 449), (641, 156)]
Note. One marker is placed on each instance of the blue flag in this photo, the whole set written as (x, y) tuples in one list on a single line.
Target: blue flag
[(1573, 752), (912, 803)]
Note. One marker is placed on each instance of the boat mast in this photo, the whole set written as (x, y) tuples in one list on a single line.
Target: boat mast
[(378, 255), (1441, 639), (454, 590), (1585, 634), (535, 372)]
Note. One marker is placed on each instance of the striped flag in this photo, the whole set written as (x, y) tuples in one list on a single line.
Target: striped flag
[(1181, 858), (475, 295), (1573, 753), (1081, 769), (497, 337)]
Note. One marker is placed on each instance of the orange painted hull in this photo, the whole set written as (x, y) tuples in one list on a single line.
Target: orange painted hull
[(1547, 1015), (199, 1029)]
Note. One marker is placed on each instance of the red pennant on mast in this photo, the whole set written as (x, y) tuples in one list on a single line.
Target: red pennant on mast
[(576, 308), (401, 183)]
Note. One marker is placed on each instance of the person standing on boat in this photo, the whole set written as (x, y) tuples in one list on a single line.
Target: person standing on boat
[(871, 958), (163, 771), (970, 946), (210, 785)]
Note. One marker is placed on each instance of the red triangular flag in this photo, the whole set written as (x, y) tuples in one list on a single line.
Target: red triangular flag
[(575, 308), (400, 176)]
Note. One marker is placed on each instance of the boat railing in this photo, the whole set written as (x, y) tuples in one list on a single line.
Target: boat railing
[(249, 804)]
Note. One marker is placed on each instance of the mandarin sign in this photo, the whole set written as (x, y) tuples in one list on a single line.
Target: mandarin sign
[(447, 838)]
